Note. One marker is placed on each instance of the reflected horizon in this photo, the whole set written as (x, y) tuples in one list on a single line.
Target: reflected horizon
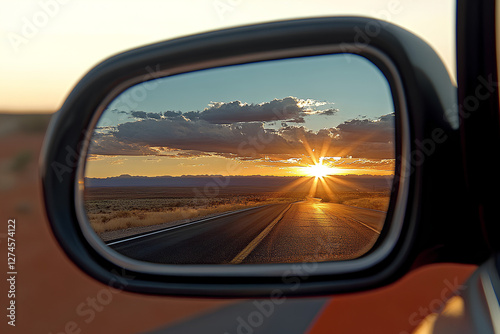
[(264, 158)]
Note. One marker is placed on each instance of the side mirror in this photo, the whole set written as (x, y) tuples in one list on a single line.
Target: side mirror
[(285, 158), (227, 167)]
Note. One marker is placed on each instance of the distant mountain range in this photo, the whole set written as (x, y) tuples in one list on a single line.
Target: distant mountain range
[(349, 182)]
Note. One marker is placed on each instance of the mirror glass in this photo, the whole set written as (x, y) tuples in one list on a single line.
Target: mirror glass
[(280, 161)]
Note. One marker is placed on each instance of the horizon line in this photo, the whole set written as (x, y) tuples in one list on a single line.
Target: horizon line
[(217, 175)]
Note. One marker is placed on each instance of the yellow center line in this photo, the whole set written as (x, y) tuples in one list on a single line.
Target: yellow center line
[(255, 242)]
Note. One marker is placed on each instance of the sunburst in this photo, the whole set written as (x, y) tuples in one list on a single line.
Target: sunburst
[(318, 170)]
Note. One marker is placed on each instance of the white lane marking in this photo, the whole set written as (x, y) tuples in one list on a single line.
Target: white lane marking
[(356, 220), (255, 242), (365, 225), (179, 226)]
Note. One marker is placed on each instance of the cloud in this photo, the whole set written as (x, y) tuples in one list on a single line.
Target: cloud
[(342, 163), (108, 144), (117, 162), (297, 120), (290, 109), (329, 112), (367, 138), (183, 137), (238, 130), (199, 135), (379, 130), (92, 157), (145, 115), (172, 114)]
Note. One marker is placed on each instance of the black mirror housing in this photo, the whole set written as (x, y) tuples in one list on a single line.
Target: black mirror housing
[(427, 147)]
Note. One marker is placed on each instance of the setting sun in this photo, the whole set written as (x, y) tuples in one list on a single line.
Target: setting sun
[(318, 170)]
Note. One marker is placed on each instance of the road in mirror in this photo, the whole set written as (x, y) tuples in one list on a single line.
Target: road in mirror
[(280, 161)]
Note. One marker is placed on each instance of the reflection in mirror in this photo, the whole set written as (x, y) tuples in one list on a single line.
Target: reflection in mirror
[(280, 161)]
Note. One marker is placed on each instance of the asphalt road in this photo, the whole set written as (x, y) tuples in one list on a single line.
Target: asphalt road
[(278, 233)]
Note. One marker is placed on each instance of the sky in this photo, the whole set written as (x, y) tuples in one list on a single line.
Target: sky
[(275, 118), (46, 46), (336, 80)]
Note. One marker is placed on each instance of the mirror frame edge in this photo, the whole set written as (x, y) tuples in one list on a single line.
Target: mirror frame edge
[(91, 262)]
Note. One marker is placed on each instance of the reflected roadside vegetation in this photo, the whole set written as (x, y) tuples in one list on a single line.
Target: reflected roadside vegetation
[(269, 155)]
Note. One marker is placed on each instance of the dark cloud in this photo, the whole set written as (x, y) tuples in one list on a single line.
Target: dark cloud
[(145, 115), (108, 144), (365, 138), (380, 130), (199, 135), (172, 114), (290, 109), (297, 120), (329, 112), (236, 129), (139, 114), (154, 115)]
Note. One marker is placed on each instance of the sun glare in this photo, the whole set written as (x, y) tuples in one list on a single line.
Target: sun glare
[(318, 170)]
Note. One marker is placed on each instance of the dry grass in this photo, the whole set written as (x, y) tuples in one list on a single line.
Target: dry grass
[(381, 203), (367, 200), (112, 215), (108, 213)]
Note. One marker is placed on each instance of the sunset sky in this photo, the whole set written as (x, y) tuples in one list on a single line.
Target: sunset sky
[(267, 118), (48, 45), (45, 48)]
